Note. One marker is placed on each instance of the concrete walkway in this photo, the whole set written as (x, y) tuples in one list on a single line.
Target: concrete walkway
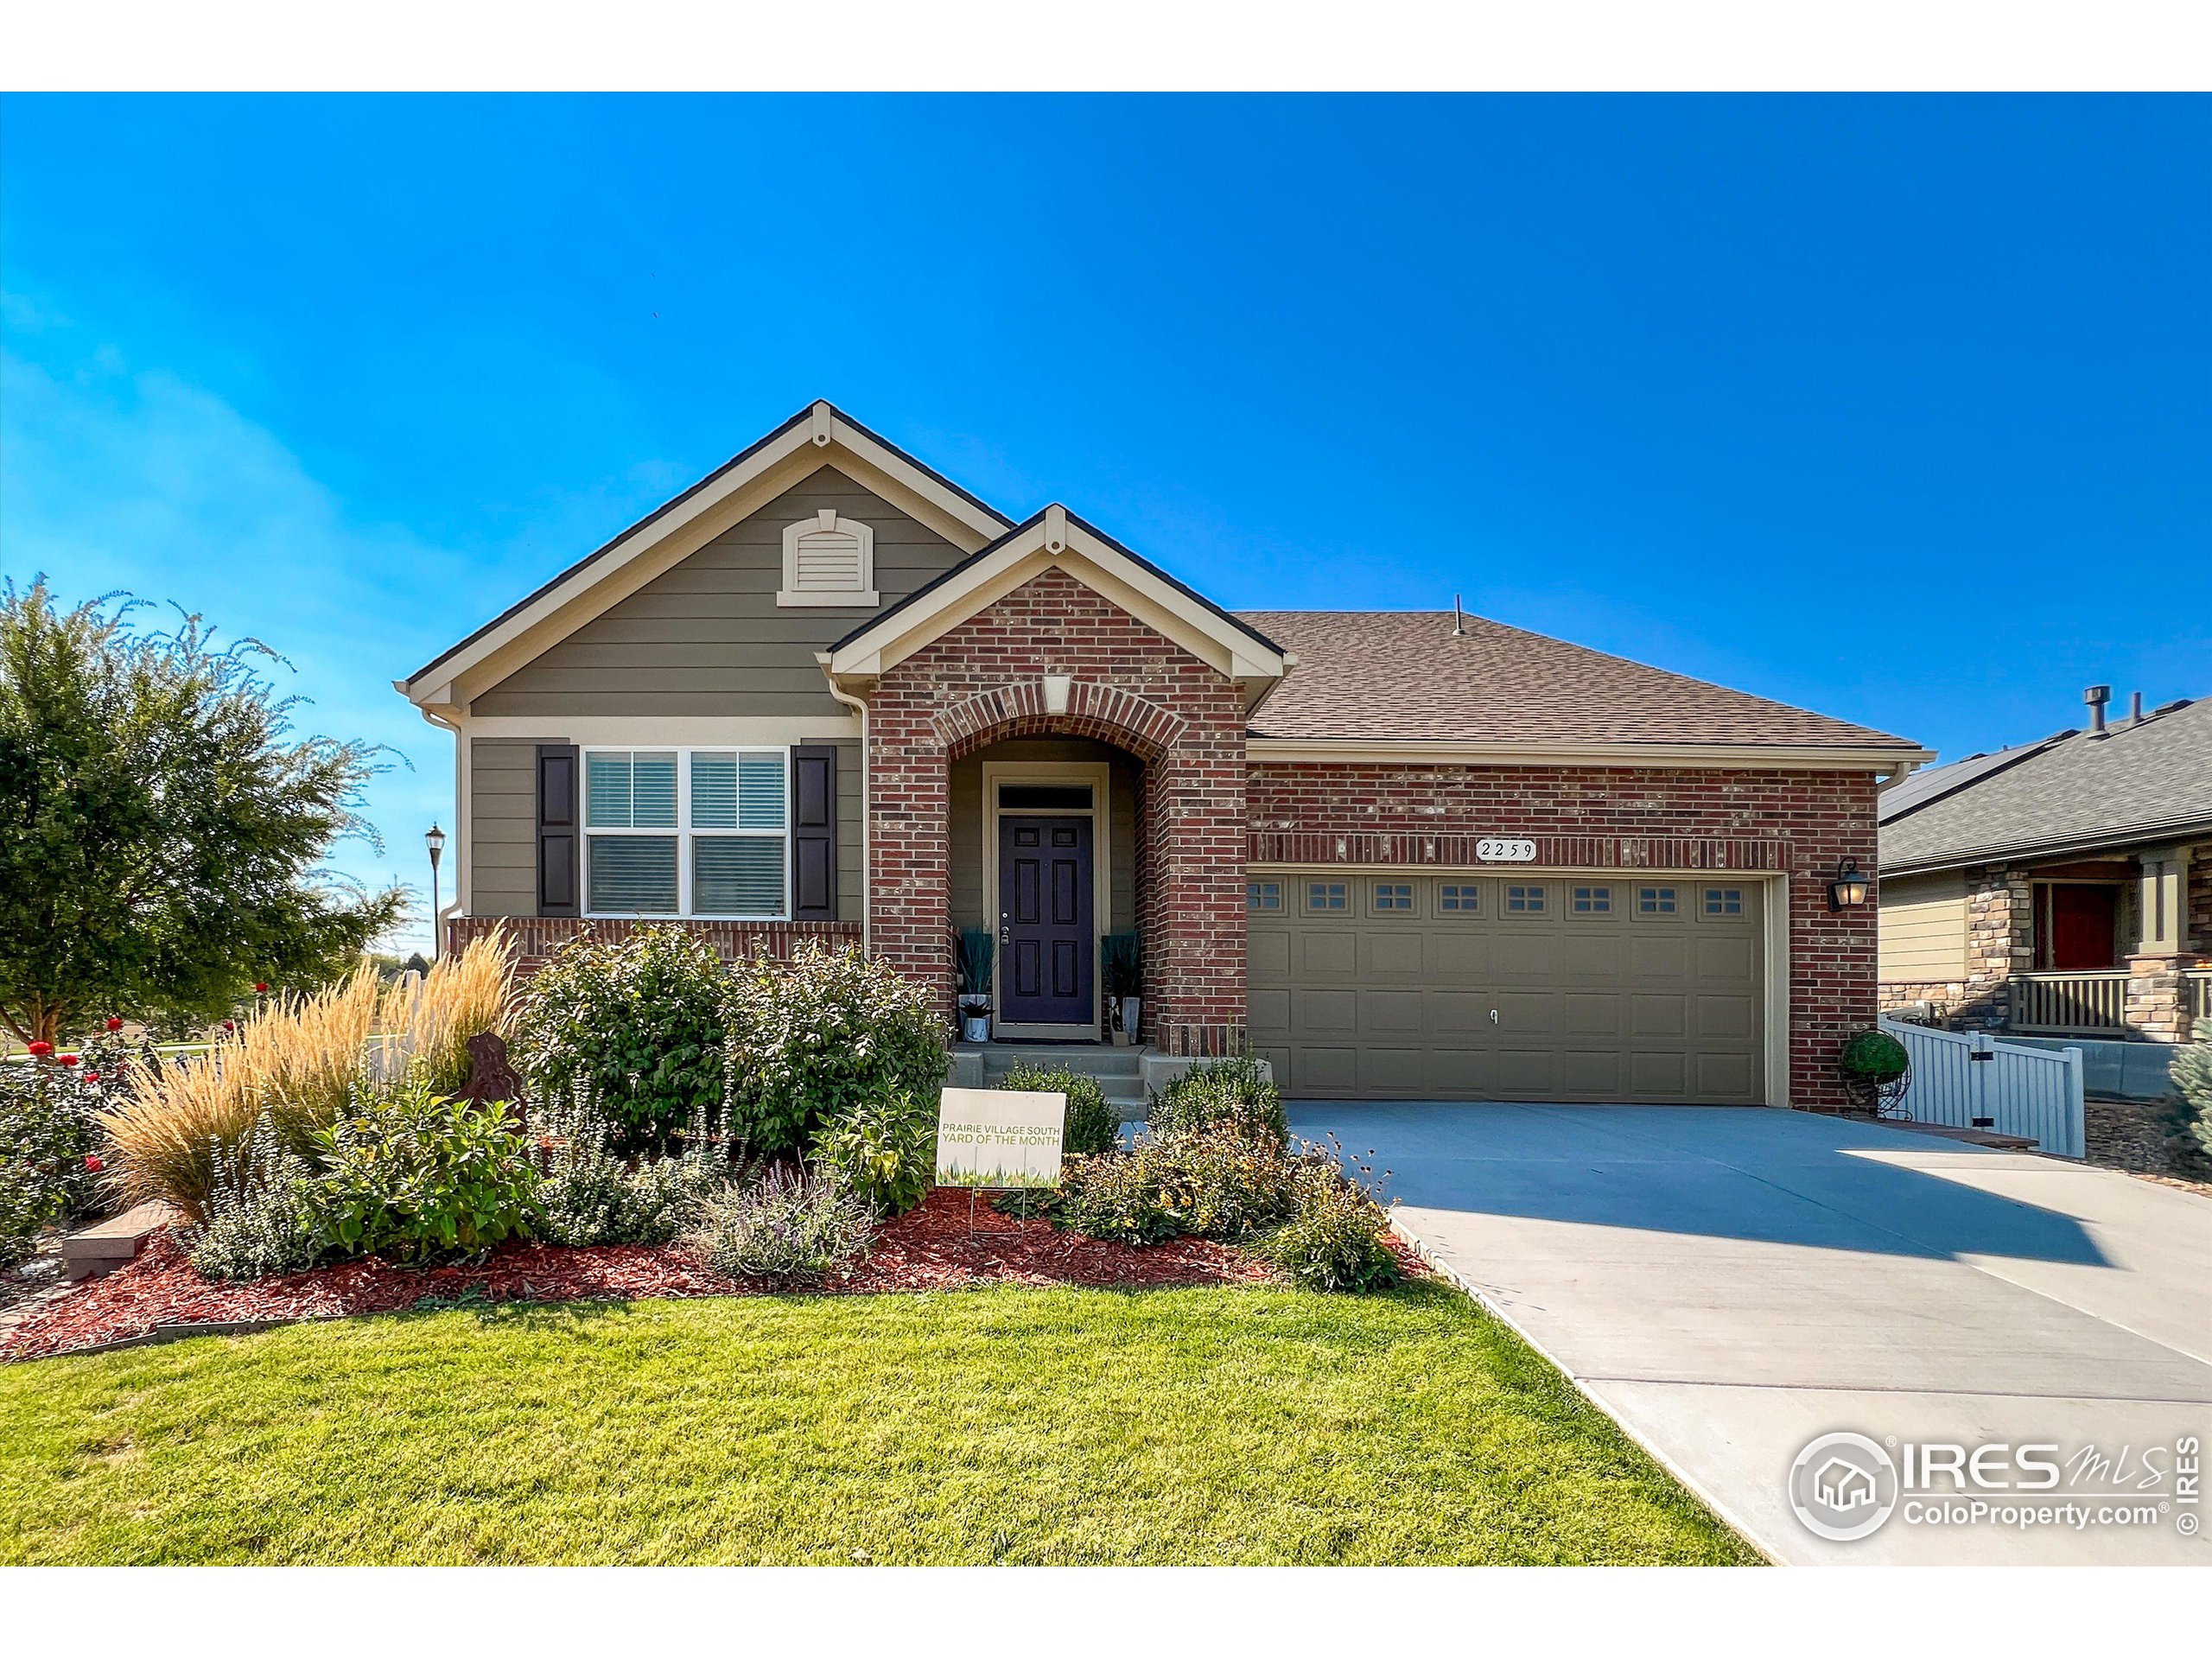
[(1729, 1283)]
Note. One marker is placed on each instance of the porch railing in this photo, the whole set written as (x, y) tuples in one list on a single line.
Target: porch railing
[(2069, 1004)]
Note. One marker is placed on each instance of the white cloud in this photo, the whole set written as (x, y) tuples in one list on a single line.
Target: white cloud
[(116, 478)]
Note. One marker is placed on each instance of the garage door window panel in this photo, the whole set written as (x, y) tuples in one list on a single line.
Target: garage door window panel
[(1584, 900), (1326, 899), (1392, 901), (1459, 899), (1526, 898)]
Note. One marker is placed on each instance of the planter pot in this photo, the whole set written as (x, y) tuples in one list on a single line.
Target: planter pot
[(1131, 1008), (977, 1028)]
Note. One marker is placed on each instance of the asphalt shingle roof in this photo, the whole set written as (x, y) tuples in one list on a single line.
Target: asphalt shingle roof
[(2138, 783), (1402, 676)]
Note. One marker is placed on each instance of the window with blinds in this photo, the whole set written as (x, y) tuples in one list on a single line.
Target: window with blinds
[(687, 832), (829, 561)]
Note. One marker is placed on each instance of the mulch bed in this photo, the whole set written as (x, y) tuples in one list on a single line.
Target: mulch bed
[(928, 1248)]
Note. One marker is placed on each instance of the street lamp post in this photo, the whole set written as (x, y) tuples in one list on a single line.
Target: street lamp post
[(435, 841)]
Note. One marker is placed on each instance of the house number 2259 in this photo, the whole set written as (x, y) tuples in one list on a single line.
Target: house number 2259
[(1493, 849)]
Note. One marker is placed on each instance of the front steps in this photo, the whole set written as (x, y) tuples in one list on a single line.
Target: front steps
[(1120, 1072)]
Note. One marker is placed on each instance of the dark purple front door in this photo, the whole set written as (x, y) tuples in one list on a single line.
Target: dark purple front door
[(1046, 949)]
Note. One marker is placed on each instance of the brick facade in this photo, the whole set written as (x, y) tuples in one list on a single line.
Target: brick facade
[(536, 937), (985, 681), (1801, 823), (1055, 656)]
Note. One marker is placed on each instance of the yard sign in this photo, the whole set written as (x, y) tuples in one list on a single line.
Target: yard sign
[(999, 1137)]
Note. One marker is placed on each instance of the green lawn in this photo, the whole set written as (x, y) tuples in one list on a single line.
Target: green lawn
[(1024, 1426)]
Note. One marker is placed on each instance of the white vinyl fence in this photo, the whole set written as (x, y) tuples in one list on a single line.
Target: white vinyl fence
[(1974, 1081)]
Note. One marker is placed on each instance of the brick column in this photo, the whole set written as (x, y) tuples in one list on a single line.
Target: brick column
[(1193, 895), (909, 874)]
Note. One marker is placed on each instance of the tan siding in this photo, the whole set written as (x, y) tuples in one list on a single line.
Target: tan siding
[(707, 637), (1924, 927), (966, 812), (503, 826), (850, 874)]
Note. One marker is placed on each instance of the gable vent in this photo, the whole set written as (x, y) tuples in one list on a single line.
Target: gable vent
[(829, 561)]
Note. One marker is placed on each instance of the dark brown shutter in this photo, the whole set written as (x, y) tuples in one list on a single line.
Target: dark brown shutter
[(560, 806), (814, 833)]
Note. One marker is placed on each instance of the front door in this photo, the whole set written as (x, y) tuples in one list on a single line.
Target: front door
[(2081, 926), (1046, 951)]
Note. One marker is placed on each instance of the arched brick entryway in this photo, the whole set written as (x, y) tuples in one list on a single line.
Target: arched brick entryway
[(1056, 658)]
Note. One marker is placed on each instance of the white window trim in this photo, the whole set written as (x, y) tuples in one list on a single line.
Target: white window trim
[(683, 832), (825, 598)]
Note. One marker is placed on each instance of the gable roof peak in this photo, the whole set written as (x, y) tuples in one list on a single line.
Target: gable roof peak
[(821, 427)]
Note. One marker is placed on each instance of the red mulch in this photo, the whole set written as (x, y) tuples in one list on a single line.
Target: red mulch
[(928, 1248)]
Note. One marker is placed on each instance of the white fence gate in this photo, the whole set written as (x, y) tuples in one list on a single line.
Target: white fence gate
[(1974, 1080)]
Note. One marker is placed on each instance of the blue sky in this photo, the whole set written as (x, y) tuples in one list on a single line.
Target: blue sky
[(1895, 407)]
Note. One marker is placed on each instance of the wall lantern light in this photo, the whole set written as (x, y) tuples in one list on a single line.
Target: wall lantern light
[(1849, 889)]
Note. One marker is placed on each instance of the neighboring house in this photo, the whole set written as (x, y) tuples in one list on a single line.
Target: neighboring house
[(827, 692), (2062, 887)]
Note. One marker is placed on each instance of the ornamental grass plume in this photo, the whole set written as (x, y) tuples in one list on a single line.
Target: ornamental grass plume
[(459, 997), (299, 1061)]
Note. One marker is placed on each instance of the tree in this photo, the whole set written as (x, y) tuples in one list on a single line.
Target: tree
[(160, 824)]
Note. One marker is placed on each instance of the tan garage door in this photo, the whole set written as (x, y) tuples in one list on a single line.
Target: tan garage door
[(1527, 987)]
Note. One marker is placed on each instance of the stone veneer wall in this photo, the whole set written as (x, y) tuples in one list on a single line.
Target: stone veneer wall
[(1617, 818), (1132, 688)]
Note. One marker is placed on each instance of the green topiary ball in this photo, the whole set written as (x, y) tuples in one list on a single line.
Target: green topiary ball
[(1875, 1057)]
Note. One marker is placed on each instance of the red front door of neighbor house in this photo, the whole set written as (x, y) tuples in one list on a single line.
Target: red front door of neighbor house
[(2079, 925)]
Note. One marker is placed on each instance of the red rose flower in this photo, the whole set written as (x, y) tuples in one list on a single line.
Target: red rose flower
[(114, 1024), (41, 1049), (92, 1077), (92, 1162), (66, 1060), (229, 1025), (260, 986)]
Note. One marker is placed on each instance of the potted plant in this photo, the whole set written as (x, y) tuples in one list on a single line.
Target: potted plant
[(976, 953), (1121, 959)]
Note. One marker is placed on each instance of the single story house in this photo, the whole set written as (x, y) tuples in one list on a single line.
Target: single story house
[(2063, 887), (827, 692)]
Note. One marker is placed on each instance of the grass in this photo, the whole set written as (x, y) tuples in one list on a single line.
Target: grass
[(1209, 1425)]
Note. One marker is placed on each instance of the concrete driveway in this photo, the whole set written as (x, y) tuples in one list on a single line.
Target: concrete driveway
[(1731, 1282)]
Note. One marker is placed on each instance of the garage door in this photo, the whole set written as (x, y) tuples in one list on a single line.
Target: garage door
[(1527, 987)]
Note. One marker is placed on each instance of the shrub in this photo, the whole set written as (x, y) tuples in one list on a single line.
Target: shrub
[(1092, 1125), (301, 1060), (51, 1164), (1215, 1184), (410, 1174), (1221, 1094), (820, 1036), (1334, 1239), (588, 1195), (638, 1022), (262, 1216), (1116, 1196), (786, 1227), (2192, 1075), (885, 1151)]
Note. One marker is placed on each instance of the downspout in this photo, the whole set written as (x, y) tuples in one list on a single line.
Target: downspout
[(868, 805), (464, 835)]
